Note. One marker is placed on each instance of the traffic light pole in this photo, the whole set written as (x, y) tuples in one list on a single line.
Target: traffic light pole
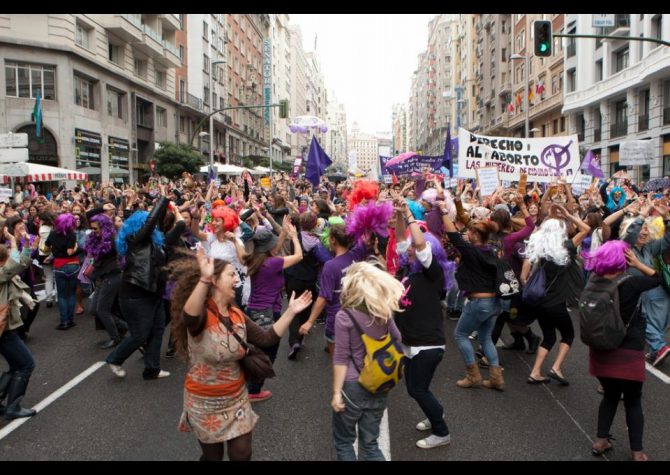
[(606, 37)]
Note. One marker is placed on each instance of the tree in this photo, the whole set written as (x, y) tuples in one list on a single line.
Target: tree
[(174, 159)]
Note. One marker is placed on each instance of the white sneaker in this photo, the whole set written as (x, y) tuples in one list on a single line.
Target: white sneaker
[(163, 374), (117, 370), (433, 441), (424, 425)]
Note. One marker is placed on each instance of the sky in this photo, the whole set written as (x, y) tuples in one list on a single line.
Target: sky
[(367, 60)]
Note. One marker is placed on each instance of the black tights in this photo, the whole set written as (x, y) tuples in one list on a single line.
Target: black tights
[(632, 400), (551, 319), (239, 450)]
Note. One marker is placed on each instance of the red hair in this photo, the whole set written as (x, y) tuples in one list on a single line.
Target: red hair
[(230, 218), (363, 190), (217, 203)]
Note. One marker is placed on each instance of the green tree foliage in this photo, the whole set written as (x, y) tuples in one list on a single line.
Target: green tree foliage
[(174, 159)]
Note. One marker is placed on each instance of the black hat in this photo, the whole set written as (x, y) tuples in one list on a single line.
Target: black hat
[(264, 241)]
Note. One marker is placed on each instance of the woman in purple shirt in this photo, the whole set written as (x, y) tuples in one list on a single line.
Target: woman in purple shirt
[(370, 296), (267, 281)]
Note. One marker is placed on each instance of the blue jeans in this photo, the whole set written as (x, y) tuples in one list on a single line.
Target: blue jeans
[(146, 323), (480, 315), (366, 410), (66, 286), (16, 353), (656, 308), (455, 299), (419, 373)]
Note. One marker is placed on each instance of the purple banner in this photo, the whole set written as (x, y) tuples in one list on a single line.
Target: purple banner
[(411, 165)]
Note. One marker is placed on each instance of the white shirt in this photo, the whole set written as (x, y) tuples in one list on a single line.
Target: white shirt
[(226, 250)]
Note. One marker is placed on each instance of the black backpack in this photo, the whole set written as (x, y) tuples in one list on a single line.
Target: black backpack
[(600, 322), (507, 285)]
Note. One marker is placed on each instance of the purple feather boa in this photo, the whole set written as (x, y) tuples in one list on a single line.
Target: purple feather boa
[(100, 244), (448, 267), (369, 218)]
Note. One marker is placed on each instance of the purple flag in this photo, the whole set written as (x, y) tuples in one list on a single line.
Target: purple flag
[(591, 164), (448, 162), (211, 174), (317, 162)]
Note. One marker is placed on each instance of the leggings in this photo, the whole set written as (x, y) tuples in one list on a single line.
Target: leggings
[(552, 318), (239, 450), (632, 400)]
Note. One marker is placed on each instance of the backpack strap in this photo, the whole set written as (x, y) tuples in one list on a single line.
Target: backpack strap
[(360, 332)]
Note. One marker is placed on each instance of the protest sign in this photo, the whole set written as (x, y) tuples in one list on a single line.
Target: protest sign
[(541, 159), (5, 195), (636, 152), (488, 180), (523, 182), (265, 182), (581, 184)]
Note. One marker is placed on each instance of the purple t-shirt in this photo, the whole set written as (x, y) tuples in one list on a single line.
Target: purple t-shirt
[(331, 282), (267, 284), (348, 341)]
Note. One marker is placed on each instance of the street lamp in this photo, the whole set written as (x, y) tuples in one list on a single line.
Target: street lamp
[(525, 89), (213, 106)]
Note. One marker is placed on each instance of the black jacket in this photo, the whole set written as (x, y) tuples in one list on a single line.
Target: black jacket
[(144, 259)]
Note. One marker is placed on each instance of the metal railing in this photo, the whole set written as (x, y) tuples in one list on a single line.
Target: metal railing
[(643, 122), (170, 47), (194, 102), (618, 129), (133, 18), (153, 34)]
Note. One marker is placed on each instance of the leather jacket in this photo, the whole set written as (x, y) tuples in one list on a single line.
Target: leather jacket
[(144, 259)]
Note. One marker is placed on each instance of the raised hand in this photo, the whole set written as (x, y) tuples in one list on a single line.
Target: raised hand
[(205, 263), (297, 305)]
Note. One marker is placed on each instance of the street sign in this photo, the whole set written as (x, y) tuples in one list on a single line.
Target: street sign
[(5, 195), (13, 140), (602, 20), (13, 155)]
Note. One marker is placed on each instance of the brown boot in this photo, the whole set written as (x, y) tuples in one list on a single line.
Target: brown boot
[(472, 377), (496, 381)]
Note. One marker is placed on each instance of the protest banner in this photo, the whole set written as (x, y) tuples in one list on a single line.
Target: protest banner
[(581, 184), (541, 159), (5, 195), (265, 182), (636, 152), (488, 180)]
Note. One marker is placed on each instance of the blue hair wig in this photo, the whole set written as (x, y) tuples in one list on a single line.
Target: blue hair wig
[(611, 204), (131, 227)]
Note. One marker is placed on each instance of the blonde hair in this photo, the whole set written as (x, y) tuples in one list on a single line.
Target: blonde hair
[(366, 284)]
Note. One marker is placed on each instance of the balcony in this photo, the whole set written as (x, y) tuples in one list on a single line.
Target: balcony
[(194, 102), (618, 129), (127, 27), (642, 122), (152, 44), (597, 135), (666, 116), (170, 57), (171, 20)]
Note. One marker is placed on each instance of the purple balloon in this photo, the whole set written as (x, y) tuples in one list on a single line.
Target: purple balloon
[(293, 129), (303, 130), (324, 129)]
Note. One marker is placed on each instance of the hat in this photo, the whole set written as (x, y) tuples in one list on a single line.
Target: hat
[(246, 214), (501, 206), (429, 196), (264, 241)]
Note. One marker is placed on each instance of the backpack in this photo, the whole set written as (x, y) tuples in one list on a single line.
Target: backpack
[(507, 285), (536, 288), (600, 322), (384, 361)]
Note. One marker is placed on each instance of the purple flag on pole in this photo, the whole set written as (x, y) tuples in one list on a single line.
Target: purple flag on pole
[(448, 162), (591, 164), (317, 162)]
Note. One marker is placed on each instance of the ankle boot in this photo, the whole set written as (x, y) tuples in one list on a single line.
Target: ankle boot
[(533, 341), (4, 384), (15, 392), (496, 380), (518, 344), (472, 377)]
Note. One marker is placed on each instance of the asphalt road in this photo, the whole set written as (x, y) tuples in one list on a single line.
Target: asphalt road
[(107, 418)]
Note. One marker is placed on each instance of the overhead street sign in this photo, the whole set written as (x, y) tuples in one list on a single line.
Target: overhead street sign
[(602, 20), (13, 155), (13, 140)]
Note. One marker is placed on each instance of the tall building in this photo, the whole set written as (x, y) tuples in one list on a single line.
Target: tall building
[(400, 130), (281, 84), (107, 83), (619, 90), (298, 103), (366, 151), (335, 140)]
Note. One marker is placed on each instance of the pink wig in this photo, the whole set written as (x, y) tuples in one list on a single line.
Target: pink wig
[(608, 258), (369, 218), (230, 218), (64, 224), (363, 190)]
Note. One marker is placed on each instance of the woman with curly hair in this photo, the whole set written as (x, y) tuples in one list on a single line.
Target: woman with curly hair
[(216, 403), (107, 277), (63, 243)]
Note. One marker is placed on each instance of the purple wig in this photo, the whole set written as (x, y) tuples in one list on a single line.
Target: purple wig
[(369, 218), (608, 258), (100, 244), (64, 224), (448, 267)]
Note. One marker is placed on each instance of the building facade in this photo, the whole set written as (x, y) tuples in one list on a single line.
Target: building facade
[(335, 140), (366, 149)]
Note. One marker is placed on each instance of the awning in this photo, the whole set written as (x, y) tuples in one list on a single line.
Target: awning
[(222, 168), (118, 171), (33, 172)]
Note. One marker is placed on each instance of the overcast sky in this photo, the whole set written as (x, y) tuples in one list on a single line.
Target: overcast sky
[(367, 60)]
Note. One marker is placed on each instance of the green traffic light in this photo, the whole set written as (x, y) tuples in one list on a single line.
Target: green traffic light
[(544, 47)]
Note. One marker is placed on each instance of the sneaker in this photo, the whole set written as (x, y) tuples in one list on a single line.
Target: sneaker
[(117, 370), (162, 374), (170, 353), (293, 352), (424, 425), (260, 396), (473, 335), (661, 355), (433, 441)]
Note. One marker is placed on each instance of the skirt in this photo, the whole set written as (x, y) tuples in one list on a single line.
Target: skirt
[(217, 419)]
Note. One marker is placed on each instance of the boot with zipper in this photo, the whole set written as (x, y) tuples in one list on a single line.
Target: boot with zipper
[(15, 392), (472, 377), (4, 384), (496, 380)]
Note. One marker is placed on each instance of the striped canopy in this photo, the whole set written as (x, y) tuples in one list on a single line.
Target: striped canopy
[(26, 172)]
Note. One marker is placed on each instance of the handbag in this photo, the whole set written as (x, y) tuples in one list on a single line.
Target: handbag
[(536, 287), (256, 365)]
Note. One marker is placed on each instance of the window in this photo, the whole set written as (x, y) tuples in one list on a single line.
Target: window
[(115, 100), (563, 123), (657, 27), (141, 67), (161, 117), (205, 29), (81, 36), (504, 55), (599, 70), (572, 80), (221, 106), (114, 53), (181, 53), (205, 60), (213, 33), (161, 78), (26, 80), (214, 97), (555, 126), (182, 91), (83, 92), (205, 99), (182, 124), (621, 62)]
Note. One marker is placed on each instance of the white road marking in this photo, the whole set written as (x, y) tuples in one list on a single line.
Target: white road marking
[(16, 423), (659, 374), (384, 440)]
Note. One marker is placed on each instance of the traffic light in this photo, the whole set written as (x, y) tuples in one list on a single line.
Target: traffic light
[(542, 37), (283, 109)]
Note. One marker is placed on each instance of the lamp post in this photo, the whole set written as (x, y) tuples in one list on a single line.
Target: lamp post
[(525, 89), (213, 107)]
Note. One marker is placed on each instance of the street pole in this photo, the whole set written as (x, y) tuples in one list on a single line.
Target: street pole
[(212, 108), (270, 143), (526, 92)]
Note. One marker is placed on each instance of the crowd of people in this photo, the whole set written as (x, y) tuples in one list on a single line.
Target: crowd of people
[(231, 263)]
